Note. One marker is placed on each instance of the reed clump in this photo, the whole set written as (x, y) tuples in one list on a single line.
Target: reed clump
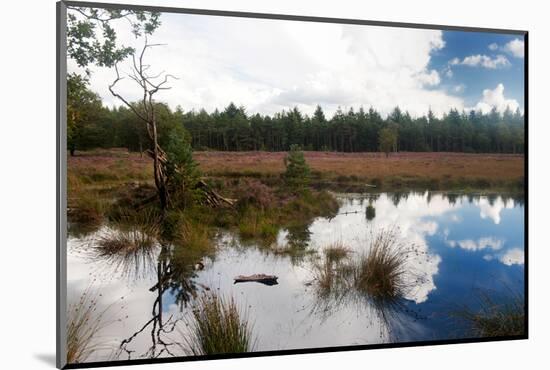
[(383, 272), (85, 321), (496, 319), (218, 326), (131, 244), (331, 273)]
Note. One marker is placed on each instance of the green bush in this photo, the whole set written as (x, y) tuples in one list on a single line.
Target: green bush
[(297, 174)]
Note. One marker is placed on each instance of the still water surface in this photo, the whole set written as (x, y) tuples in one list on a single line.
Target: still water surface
[(465, 245)]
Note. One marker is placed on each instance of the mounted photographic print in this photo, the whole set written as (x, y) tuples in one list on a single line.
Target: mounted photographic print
[(239, 184)]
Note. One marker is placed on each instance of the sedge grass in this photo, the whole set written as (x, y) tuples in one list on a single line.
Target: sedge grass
[(218, 326), (85, 322)]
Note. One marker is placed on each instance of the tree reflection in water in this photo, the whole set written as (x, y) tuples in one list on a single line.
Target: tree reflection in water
[(159, 328), (137, 253)]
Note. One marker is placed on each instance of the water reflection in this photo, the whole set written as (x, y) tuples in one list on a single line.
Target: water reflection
[(464, 242)]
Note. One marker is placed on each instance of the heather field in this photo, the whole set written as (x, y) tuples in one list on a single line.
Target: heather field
[(432, 171)]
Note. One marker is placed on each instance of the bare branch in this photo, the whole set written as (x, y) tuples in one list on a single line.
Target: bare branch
[(111, 89)]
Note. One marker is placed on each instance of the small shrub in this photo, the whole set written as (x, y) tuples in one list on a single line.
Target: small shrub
[(297, 174), (257, 194)]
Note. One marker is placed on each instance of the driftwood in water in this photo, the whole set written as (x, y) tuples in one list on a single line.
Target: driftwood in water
[(259, 278)]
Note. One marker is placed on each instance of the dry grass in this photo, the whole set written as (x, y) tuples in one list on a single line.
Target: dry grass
[(336, 251), (114, 166), (339, 166), (132, 245), (84, 324), (217, 327), (110, 166), (383, 271), (496, 319)]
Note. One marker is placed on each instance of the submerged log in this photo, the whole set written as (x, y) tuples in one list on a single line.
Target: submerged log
[(258, 278)]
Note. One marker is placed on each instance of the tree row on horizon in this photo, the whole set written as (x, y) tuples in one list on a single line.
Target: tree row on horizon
[(92, 125)]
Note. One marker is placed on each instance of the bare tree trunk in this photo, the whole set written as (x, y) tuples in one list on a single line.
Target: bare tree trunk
[(146, 112), (158, 167)]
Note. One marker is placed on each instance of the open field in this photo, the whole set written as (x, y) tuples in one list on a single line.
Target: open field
[(371, 165), (401, 170)]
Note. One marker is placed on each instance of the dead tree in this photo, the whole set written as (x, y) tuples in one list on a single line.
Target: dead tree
[(145, 110)]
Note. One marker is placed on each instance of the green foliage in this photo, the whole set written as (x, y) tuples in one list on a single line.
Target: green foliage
[(84, 112), (352, 131), (297, 174), (182, 170), (91, 39), (387, 139), (356, 131)]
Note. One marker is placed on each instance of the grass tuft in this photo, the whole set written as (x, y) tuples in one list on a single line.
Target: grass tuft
[(336, 251), (131, 246), (84, 324), (218, 326), (382, 271), (331, 272), (496, 319)]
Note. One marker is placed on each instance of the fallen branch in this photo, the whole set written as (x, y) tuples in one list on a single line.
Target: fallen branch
[(258, 278)]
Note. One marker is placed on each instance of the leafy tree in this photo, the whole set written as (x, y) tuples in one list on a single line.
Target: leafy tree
[(83, 111), (387, 139), (91, 38), (297, 174)]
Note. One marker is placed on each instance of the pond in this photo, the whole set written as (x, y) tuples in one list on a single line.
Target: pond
[(463, 246)]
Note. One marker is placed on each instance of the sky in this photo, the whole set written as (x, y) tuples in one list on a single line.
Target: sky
[(271, 65)]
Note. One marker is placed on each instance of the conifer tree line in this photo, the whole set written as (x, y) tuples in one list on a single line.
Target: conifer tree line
[(91, 125)]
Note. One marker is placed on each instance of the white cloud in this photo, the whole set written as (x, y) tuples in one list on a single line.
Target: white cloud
[(480, 244), (269, 65), (514, 256), (482, 61), (515, 47), (455, 61), (429, 79), (459, 88), (495, 98)]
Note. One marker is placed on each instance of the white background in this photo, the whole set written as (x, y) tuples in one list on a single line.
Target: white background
[(27, 182)]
